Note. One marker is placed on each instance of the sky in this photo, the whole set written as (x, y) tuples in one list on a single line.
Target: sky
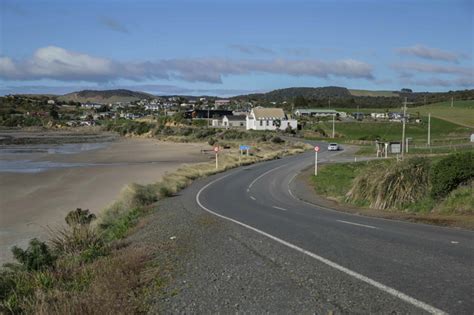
[(231, 47)]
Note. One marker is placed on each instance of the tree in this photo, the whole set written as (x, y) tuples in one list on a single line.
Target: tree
[(53, 113), (300, 102)]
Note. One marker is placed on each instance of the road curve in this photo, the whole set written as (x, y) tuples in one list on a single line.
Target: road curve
[(426, 266)]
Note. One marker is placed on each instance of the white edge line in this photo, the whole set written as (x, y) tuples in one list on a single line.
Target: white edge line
[(358, 224), (275, 168), (253, 198), (358, 276), (279, 208)]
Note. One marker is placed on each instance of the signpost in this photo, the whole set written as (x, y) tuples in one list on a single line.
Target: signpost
[(316, 150), (216, 150), (243, 148)]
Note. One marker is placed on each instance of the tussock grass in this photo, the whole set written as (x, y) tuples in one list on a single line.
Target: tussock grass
[(396, 187)]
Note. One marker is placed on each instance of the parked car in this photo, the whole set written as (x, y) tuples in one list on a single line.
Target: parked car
[(333, 147)]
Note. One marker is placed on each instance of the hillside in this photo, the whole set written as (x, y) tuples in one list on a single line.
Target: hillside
[(373, 93), (104, 97), (344, 98), (462, 112)]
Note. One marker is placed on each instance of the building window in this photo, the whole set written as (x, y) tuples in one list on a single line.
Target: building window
[(268, 123), (261, 122)]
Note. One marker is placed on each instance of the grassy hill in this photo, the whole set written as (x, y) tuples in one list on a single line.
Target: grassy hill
[(104, 97), (462, 112), (373, 93)]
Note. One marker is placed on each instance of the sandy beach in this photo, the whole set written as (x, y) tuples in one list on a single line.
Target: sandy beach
[(32, 202)]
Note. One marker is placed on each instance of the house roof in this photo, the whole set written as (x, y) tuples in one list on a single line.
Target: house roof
[(236, 117), (274, 113)]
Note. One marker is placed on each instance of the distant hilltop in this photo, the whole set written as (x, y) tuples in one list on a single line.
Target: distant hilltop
[(105, 96)]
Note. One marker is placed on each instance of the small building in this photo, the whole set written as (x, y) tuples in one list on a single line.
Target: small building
[(317, 112), (234, 121), (358, 115), (204, 113), (379, 115), (51, 102), (153, 107), (269, 119), (472, 137), (221, 102)]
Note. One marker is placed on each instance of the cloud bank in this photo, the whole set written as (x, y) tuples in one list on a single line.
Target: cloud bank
[(430, 53), (60, 64)]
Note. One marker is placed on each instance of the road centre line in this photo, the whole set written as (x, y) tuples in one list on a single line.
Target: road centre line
[(279, 208), (402, 296), (253, 198), (358, 224)]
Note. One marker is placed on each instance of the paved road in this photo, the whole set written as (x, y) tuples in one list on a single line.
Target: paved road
[(428, 267)]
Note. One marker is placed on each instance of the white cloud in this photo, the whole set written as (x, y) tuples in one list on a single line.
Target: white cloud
[(431, 68), (430, 53), (252, 49), (57, 63)]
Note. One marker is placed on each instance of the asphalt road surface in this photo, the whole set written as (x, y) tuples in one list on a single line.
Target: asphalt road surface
[(428, 267)]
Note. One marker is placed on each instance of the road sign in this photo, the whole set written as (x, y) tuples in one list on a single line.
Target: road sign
[(244, 147), (216, 149), (316, 148)]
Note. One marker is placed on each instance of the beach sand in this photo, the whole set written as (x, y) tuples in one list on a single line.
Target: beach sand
[(32, 202)]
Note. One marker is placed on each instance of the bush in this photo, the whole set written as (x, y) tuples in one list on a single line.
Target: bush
[(450, 172), (79, 217), (37, 256)]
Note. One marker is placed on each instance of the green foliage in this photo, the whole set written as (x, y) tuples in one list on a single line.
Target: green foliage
[(37, 256), (143, 195), (119, 228), (459, 201), (450, 172)]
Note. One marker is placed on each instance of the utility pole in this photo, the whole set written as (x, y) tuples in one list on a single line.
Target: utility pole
[(333, 126), (208, 120), (329, 102), (452, 101), (403, 128), (429, 129)]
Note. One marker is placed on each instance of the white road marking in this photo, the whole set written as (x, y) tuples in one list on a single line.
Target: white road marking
[(454, 242), (279, 208), (358, 276), (273, 169), (253, 198), (358, 224)]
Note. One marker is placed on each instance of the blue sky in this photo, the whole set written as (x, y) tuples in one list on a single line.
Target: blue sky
[(233, 47)]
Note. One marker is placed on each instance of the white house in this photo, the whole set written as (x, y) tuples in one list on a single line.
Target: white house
[(234, 121), (269, 119), (318, 112), (153, 107)]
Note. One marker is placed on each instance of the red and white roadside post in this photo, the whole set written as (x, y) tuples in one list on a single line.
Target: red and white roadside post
[(216, 150), (316, 150)]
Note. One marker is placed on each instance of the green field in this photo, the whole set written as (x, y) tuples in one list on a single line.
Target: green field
[(461, 113), (441, 131)]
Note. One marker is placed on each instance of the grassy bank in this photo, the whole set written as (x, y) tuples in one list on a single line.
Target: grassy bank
[(88, 266), (438, 186)]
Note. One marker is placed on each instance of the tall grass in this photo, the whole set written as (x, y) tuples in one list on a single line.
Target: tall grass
[(389, 188)]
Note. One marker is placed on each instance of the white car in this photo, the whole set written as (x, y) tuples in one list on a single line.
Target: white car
[(333, 147)]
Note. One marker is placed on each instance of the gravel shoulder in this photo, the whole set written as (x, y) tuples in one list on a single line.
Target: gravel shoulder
[(211, 265)]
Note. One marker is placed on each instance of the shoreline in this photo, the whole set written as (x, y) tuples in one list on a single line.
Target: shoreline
[(33, 203)]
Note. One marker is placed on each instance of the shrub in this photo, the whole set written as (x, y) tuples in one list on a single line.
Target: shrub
[(143, 195), (79, 217), (450, 172), (36, 257), (212, 141)]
